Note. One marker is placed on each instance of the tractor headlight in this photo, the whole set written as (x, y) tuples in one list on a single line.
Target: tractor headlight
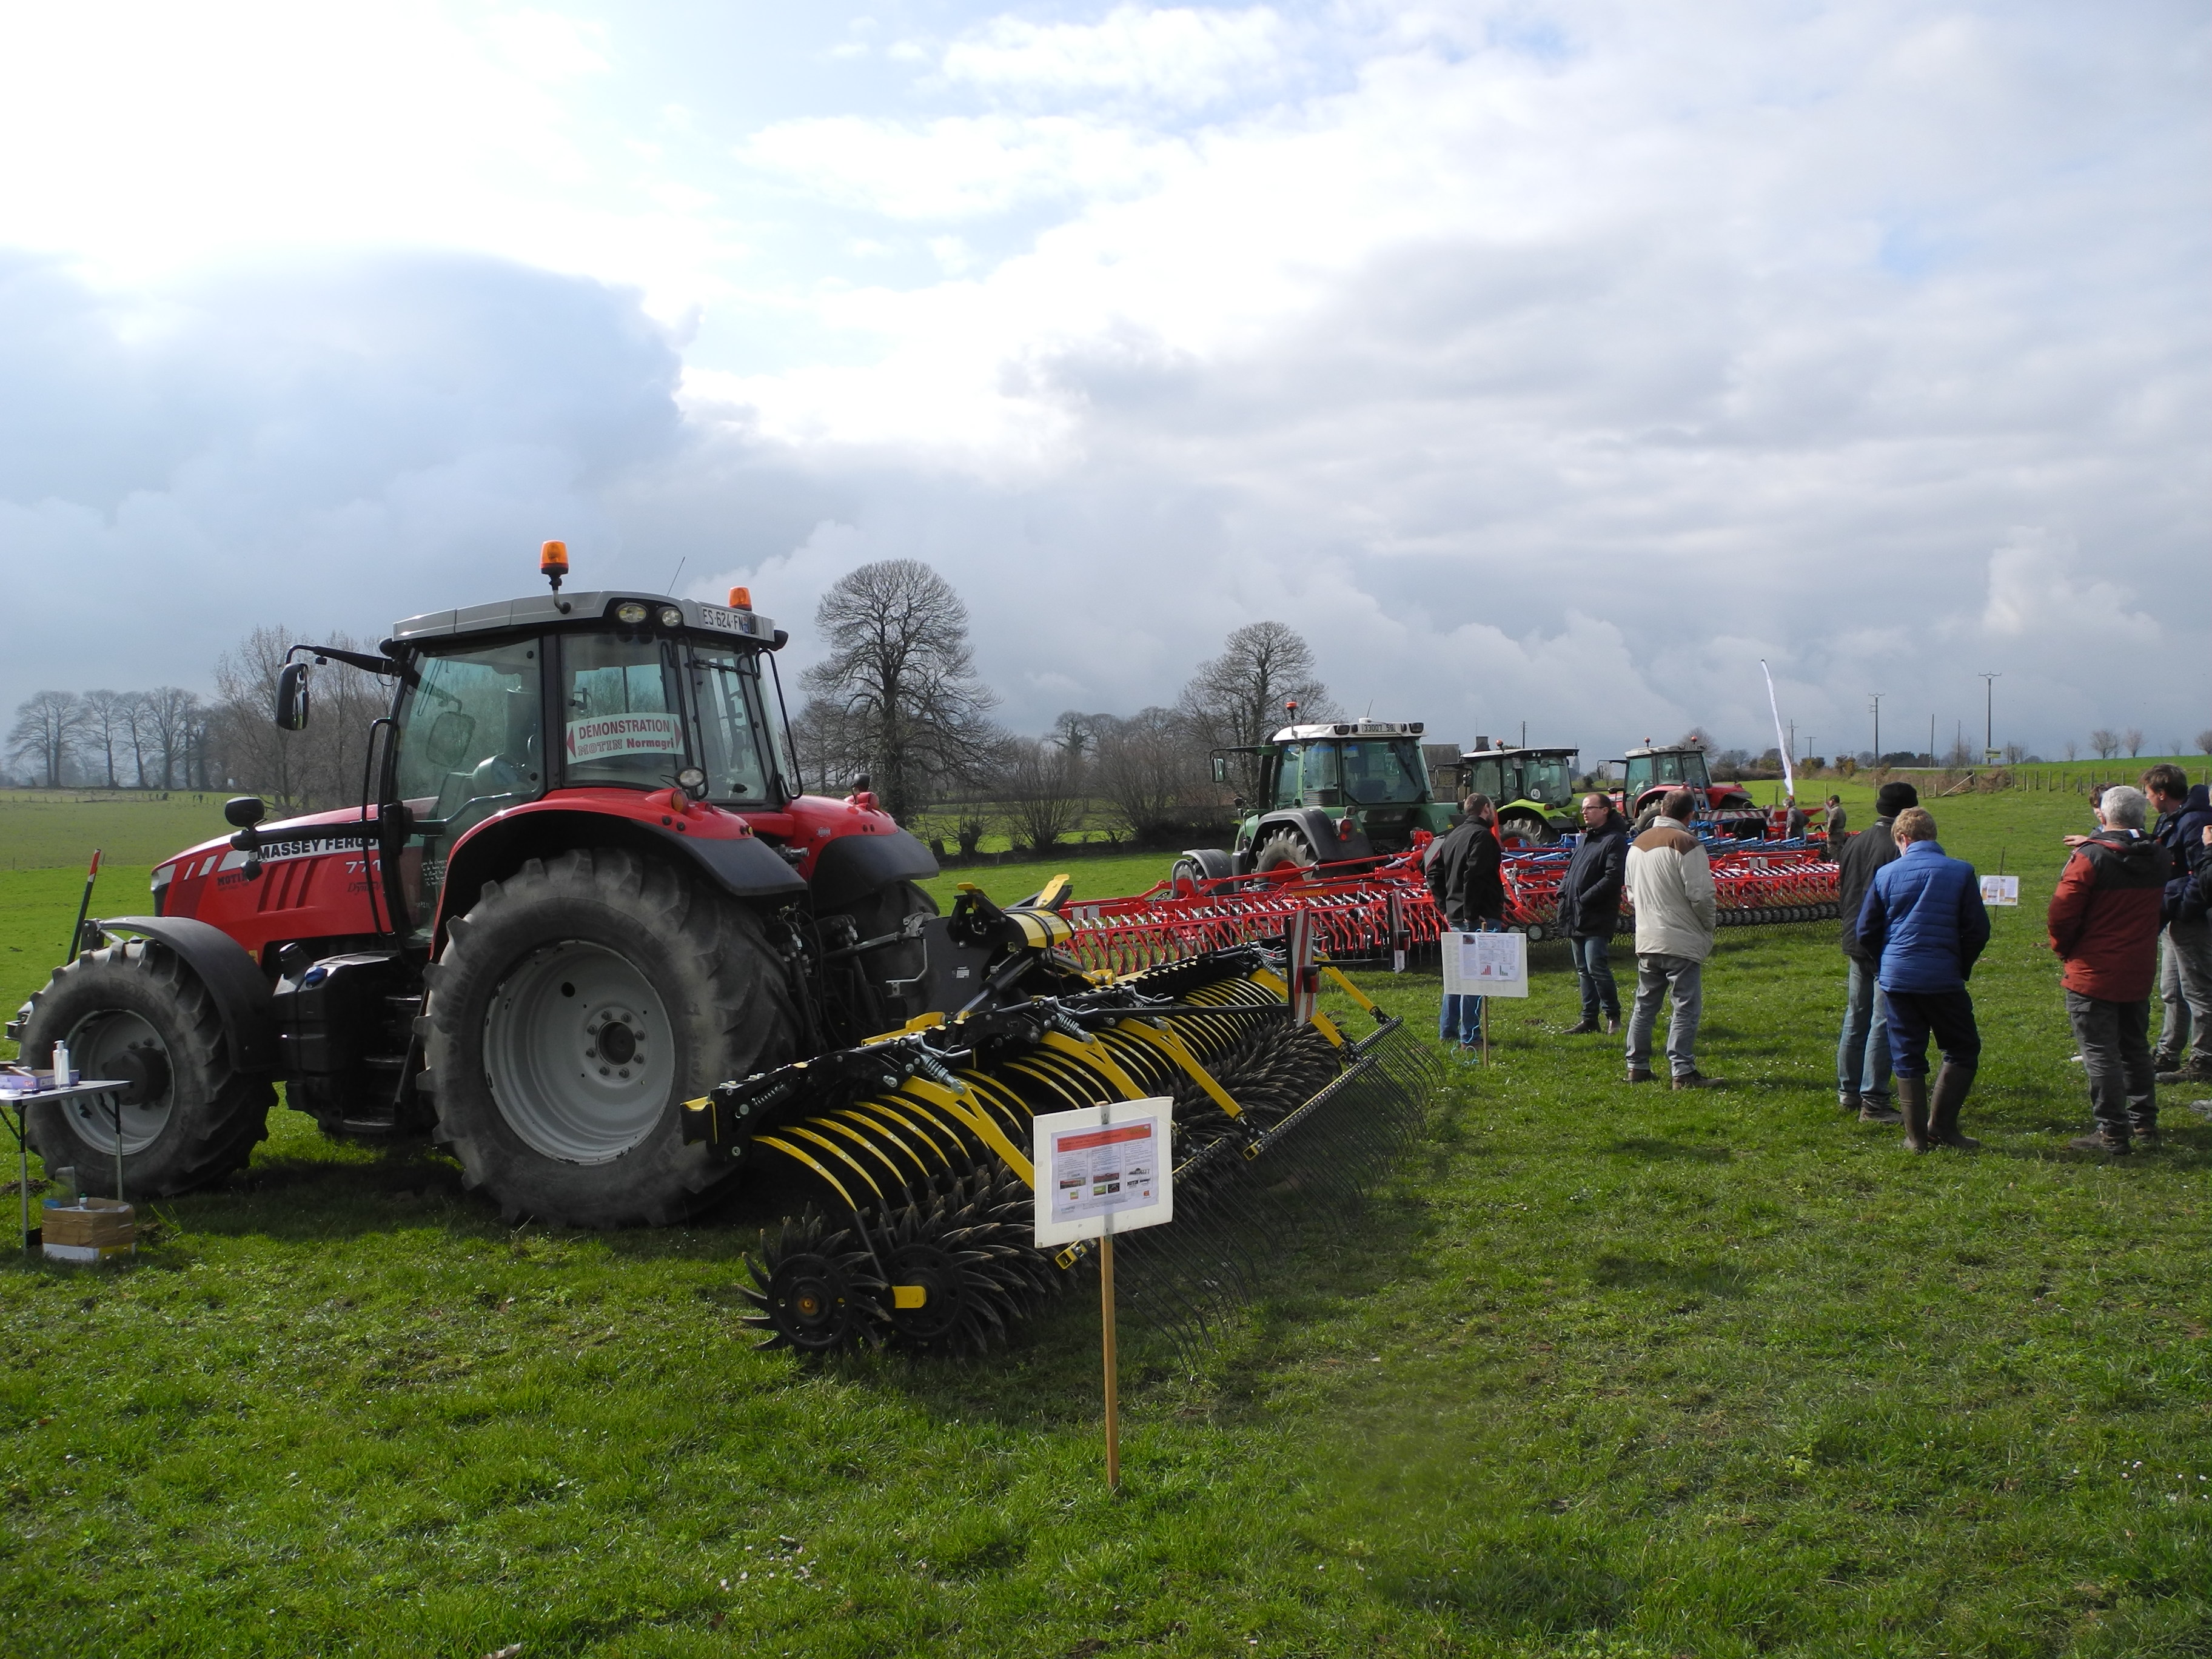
[(693, 782), (671, 617), (630, 611)]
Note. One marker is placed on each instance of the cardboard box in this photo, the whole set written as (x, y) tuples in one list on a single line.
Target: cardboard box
[(90, 1229)]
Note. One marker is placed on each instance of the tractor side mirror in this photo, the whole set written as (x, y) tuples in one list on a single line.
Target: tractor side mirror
[(1221, 768), (1237, 801), (243, 812), (292, 697)]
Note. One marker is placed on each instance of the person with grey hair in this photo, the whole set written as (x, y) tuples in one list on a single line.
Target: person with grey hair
[(2104, 921)]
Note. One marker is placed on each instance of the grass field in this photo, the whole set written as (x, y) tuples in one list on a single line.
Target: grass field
[(1609, 1375)]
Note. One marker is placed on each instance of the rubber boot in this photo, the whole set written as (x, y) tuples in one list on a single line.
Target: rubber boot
[(1912, 1100), (1951, 1085)]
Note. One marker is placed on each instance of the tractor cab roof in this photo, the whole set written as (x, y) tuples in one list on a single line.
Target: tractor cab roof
[(1667, 748), (1350, 729), (1511, 752), (612, 609)]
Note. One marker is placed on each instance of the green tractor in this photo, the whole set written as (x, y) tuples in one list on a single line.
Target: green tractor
[(1534, 789), (1329, 793)]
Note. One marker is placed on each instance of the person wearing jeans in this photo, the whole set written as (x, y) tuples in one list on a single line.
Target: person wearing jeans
[(1863, 1045), (1668, 881), (2185, 968), (1464, 875), (1589, 910)]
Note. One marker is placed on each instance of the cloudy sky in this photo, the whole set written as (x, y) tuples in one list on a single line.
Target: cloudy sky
[(1543, 362)]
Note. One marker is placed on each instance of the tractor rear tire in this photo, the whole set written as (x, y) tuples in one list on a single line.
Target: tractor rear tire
[(575, 1009), (136, 1010), (1532, 831), (1283, 847)]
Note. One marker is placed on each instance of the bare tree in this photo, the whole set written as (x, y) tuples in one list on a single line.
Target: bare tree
[(1237, 699), (830, 747), (2014, 754), (1042, 792), (2107, 743), (2204, 741), (49, 726), (322, 766), (169, 712), (900, 670), (107, 722), (2073, 750), (2133, 737), (1153, 769)]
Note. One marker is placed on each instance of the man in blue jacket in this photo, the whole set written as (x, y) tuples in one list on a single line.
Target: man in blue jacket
[(2184, 965), (1590, 910), (1924, 926)]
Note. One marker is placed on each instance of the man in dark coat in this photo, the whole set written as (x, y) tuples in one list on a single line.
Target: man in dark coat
[(2184, 964), (1924, 924), (1589, 911), (1862, 1049), (2104, 921), (1464, 872)]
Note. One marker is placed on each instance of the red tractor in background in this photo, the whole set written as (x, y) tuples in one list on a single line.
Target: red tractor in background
[(1651, 772), (584, 886)]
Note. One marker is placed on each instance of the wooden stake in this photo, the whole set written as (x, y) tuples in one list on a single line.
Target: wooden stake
[(1113, 1394)]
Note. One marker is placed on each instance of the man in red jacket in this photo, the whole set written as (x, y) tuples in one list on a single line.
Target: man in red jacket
[(2104, 922)]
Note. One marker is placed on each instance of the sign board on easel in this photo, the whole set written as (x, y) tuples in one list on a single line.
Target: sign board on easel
[(1103, 1171), (2000, 889), (1486, 964)]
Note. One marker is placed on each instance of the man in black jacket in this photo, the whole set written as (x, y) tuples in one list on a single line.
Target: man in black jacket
[(1464, 877), (1589, 910), (2185, 967), (1862, 1049)]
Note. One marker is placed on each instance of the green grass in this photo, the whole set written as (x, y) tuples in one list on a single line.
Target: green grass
[(1609, 1371), (57, 828)]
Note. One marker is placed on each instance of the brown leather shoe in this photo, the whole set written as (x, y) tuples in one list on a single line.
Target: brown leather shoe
[(1912, 1099), (2101, 1140), (1637, 1074), (1582, 1028), (1872, 1111), (1951, 1085), (1850, 1100), (1692, 1079), (1613, 1024), (2149, 1141)]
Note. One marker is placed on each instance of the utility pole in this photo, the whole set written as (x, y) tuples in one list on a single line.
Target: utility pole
[(1989, 715), (1877, 697)]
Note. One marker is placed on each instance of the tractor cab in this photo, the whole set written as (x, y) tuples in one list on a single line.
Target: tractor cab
[(1532, 788), (1651, 772)]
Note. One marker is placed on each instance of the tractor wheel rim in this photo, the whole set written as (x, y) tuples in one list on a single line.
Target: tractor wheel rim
[(579, 1053), (98, 1048)]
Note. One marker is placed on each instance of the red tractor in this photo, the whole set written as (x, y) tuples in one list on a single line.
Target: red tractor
[(584, 885), (1650, 773)]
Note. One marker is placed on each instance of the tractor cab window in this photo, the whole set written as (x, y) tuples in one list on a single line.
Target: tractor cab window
[(619, 723), (1487, 777), (471, 741), (1546, 780), (735, 746), (1319, 777), (1384, 774), (1289, 768), (1693, 770)]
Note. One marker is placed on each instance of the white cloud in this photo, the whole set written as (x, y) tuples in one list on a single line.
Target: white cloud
[(1174, 55), (960, 167)]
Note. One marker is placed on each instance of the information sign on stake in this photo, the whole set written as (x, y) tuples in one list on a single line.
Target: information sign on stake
[(2000, 889), (1485, 965), (1103, 1171)]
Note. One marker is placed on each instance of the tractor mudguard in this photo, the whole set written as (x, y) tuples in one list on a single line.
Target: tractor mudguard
[(853, 867), (1213, 862), (242, 993), (741, 865), (1320, 830)]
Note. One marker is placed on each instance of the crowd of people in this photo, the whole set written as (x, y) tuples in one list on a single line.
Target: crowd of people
[(2132, 913)]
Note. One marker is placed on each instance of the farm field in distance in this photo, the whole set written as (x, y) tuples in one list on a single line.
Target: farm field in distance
[(1605, 1373)]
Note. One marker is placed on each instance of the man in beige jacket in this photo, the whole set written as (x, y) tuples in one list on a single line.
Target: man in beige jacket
[(1670, 883)]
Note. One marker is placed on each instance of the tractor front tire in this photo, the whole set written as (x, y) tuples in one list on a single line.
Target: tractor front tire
[(1532, 832), (135, 1010), (1282, 846), (575, 1009)]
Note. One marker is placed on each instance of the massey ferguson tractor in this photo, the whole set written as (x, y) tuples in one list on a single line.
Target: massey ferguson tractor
[(587, 930), (1652, 772)]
